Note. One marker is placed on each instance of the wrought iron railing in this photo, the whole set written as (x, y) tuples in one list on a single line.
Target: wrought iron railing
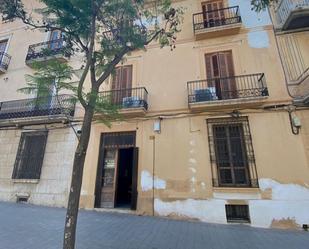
[(127, 98), (216, 18), (49, 48), (285, 7), (4, 60), (233, 87), (43, 106)]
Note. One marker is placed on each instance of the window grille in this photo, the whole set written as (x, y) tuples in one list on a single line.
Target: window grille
[(231, 153), (30, 154), (237, 213), (119, 139)]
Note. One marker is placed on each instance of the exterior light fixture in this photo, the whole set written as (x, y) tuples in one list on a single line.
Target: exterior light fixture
[(157, 126)]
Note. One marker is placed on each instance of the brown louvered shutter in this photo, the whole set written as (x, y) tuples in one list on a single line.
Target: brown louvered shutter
[(212, 74), (123, 77), (210, 15), (127, 77), (116, 85), (123, 80), (204, 13), (30, 155), (209, 68), (228, 85)]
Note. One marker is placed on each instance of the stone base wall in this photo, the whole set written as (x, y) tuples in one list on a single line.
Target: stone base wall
[(53, 186)]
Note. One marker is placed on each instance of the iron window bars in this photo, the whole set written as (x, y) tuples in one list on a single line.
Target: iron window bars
[(225, 88), (231, 153), (216, 18), (4, 60), (237, 213), (114, 140), (30, 154)]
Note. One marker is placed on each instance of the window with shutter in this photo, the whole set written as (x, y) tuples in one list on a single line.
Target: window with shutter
[(213, 13), (30, 155), (219, 73), (230, 154), (3, 45), (231, 151), (122, 83)]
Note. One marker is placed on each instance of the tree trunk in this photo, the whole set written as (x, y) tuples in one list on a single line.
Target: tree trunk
[(76, 182)]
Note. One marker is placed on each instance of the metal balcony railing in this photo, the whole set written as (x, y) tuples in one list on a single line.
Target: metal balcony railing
[(34, 107), (216, 18), (4, 61), (127, 98), (285, 7), (233, 87), (49, 48)]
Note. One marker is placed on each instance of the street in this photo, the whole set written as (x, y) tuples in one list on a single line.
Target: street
[(24, 226)]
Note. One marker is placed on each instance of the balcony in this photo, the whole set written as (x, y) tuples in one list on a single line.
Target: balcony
[(36, 110), (4, 62), (247, 90), (131, 102), (45, 51), (292, 14), (218, 22)]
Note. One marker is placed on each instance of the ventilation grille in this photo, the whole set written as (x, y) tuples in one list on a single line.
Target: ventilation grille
[(237, 213)]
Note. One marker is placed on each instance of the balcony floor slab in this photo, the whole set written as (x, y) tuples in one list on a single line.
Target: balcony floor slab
[(228, 104)]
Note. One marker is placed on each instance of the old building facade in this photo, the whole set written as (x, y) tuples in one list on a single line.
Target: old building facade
[(210, 130)]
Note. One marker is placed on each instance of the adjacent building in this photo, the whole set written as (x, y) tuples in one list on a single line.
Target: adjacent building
[(214, 130)]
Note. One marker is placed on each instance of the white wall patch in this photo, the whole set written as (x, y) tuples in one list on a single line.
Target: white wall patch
[(203, 210), (258, 39), (284, 191), (147, 182)]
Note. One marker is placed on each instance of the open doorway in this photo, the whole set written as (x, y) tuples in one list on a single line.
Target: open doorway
[(124, 178), (116, 185)]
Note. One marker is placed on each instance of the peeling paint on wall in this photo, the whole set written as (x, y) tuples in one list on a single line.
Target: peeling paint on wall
[(147, 180), (278, 210), (203, 185), (284, 191), (203, 210), (213, 210), (251, 18), (192, 164), (258, 39), (193, 170)]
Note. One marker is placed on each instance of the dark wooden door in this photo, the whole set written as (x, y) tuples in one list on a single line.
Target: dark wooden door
[(219, 73), (134, 179), (122, 83)]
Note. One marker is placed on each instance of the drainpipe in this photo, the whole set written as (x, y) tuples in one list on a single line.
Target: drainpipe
[(153, 138)]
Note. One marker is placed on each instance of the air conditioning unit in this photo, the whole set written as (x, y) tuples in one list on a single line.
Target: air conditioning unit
[(206, 94), (131, 102)]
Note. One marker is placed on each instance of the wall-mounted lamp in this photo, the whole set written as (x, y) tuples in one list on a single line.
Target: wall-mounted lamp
[(295, 122), (157, 126)]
